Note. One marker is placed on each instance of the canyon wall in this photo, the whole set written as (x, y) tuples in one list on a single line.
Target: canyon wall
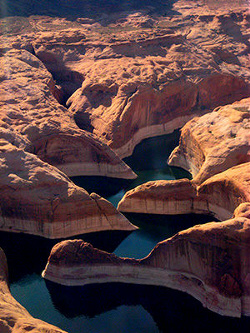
[(39, 199), (210, 262)]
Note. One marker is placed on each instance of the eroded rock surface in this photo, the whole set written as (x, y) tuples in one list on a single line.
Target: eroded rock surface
[(214, 142), (209, 261), (39, 199), (29, 108), (14, 317), (218, 196), (132, 75)]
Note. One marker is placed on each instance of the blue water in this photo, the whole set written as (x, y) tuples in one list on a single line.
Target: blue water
[(116, 307)]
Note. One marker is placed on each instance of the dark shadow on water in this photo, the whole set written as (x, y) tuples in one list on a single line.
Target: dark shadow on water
[(28, 254), (152, 153), (167, 225), (149, 161), (104, 186), (172, 311)]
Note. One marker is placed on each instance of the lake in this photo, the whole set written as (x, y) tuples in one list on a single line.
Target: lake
[(116, 307)]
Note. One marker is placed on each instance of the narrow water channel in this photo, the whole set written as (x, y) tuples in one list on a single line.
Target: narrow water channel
[(115, 308)]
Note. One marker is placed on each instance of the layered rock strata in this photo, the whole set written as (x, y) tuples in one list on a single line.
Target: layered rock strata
[(210, 262), (140, 83), (214, 142), (218, 196), (14, 317), (130, 76), (29, 108), (38, 199)]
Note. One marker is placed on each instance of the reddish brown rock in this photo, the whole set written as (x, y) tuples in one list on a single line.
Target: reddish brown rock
[(138, 83), (38, 199), (139, 76), (219, 195), (210, 262), (215, 142), (46, 128), (14, 317)]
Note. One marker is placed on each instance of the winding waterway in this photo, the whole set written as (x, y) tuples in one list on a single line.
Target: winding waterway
[(116, 307)]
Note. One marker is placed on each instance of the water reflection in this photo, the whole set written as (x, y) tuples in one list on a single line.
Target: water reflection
[(171, 311), (27, 254)]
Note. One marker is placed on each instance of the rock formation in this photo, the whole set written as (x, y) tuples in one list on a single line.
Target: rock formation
[(14, 318), (139, 83), (218, 196), (215, 148), (39, 199), (130, 76), (209, 261), (29, 108), (214, 142)]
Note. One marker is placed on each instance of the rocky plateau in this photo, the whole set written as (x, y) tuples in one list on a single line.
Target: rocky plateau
[(78, 93)]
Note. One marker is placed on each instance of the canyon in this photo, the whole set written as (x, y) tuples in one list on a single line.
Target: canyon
[(209, 261), (79, 93)]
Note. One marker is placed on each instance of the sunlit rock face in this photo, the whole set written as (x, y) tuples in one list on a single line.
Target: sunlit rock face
[(209, 261), (38, 199), (131, 75), (136, 82), (14, 317), (218, 196), (215, 142), (30, 109)]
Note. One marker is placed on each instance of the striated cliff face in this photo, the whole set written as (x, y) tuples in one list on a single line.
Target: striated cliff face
[(214, 142), (218, 196), (38, 199), (138, 82), (14, 317), (209, 261), (133, 75)]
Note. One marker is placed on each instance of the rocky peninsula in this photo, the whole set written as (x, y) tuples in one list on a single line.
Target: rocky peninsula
[(209, 261)]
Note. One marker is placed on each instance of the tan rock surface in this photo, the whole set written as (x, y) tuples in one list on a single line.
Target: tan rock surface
[(209, 261), (219, 195), (39, 199), (15, 318), (129, 76), (215, 142), (142, 82), (46, 128)]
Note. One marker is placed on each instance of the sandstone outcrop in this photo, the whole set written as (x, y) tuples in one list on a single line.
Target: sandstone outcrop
[(129, 76), (218, 196), (15, 318), (210, 262), (141, 82), (39, 199), (28, 107), (214, 142)]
